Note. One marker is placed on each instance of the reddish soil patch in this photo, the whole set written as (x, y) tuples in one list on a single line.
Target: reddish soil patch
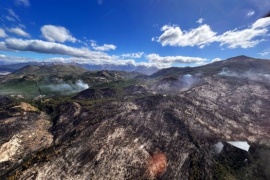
[(156, 165)]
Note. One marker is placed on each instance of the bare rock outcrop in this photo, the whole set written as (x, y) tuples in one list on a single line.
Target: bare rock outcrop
[(25, 132)]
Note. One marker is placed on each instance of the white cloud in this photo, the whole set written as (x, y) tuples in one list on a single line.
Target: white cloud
[(241, 38), (24, 3), (2, 33), (3, 46), (174, 36), (266, 52), (168, 60), (85, 55), (133, 55), (112, 61), (251, 13), (152, 64), (57, 34), (216, 60), (104, 47), (77, 54), (40, 46), (204, 35), (245, 38), (261, 23), (200, 21), (18, 31), (12, 15)]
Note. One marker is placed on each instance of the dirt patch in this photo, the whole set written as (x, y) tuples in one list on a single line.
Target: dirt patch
[(156, 165)]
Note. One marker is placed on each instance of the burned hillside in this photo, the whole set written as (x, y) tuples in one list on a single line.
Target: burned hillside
[(130, 128)]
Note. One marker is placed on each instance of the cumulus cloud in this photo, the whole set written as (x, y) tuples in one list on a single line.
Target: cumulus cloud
[(82, 60), (104, 47), (133, 55), (174, 36), (94, 58), (57, 34), (166, 61), (3, 46), (2, 33), (12, 15), (200, 21), (18, 31), (24, 3), (241, 38), (49, 48), (82, 55), (261, 23), (245, 38), (204, 35)]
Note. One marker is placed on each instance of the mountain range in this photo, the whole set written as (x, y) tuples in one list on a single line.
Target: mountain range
[(66, 122), (11, 67)]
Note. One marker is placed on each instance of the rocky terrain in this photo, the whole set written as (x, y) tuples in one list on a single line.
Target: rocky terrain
[(131, 126)]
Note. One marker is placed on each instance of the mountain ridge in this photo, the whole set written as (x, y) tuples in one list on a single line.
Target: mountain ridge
[(238, 61), (129, 68), (142, 69)]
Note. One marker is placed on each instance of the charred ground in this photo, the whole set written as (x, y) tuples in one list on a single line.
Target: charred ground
[(129, 126)]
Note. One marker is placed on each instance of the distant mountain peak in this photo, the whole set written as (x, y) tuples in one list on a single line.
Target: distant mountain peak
[(240, 58)]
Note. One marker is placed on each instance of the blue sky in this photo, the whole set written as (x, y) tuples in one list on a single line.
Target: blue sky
[(159, 33)]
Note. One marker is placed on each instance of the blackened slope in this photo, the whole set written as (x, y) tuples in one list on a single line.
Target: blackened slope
[(99, 137), (93, 94), (171, 71), (117, 139)]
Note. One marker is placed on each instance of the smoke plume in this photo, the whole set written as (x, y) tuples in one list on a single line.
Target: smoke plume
[(176, 84), (248, 74), (67, 88)]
